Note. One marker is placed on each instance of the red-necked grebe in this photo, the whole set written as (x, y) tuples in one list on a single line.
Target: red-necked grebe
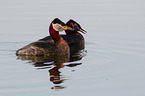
[(40, 48)]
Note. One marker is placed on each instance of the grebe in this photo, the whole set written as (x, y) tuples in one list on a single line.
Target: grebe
[(74, 39), (40, 48)]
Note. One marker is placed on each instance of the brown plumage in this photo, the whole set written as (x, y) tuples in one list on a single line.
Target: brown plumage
[(39, 48)]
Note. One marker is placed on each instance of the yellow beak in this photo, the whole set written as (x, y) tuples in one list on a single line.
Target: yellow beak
[(65, 28)]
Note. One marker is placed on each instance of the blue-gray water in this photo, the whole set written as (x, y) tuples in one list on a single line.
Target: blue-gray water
[(115, 44)]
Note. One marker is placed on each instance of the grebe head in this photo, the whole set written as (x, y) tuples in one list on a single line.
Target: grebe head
[(75, 26), (58, 25)]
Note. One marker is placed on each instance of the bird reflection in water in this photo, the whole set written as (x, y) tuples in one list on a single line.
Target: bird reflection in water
[(53, 64)]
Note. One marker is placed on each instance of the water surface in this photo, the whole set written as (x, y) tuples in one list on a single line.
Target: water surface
[(114, 64)]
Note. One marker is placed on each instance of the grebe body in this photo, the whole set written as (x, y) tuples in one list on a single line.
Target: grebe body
[(57, 47)]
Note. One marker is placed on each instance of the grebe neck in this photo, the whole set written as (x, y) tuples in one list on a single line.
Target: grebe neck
[(68, 32), (54, 34)]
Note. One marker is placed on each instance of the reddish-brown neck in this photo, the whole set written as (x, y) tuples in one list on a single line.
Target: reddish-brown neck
[(54, 34), (68, 32)]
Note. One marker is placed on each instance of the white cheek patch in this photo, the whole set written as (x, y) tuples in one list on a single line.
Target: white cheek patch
[(57, 27)]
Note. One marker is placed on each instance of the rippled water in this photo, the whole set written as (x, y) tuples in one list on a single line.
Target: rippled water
[(114, 64)]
